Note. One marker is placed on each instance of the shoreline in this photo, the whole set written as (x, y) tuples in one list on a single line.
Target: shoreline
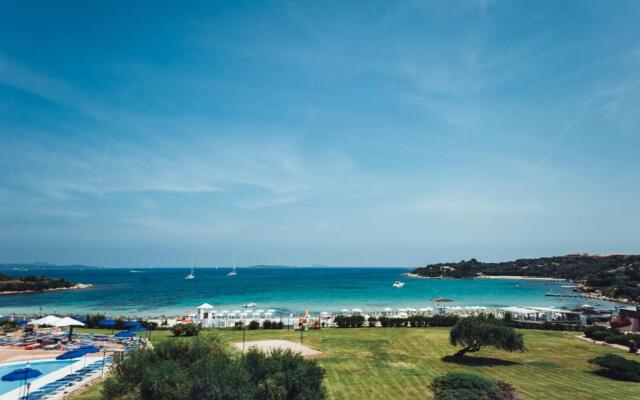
[(513, 277), (74, 287)]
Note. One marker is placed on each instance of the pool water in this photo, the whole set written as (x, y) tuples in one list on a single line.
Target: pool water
[(46, 367)]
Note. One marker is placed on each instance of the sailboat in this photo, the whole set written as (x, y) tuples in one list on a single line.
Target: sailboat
[(233, 272), (191, 275)]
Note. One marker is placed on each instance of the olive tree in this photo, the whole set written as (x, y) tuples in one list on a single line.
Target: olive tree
[(474, 333)]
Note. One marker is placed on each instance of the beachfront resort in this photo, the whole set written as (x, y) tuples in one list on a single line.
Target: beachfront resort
[(56, 357)]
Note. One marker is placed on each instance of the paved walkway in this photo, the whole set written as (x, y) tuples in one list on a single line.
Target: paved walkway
[(268, 345)]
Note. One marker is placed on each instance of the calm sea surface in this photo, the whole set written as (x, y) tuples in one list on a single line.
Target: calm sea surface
[(158, 291)]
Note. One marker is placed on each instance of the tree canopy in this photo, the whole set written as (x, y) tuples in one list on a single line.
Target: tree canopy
[(474, 333)]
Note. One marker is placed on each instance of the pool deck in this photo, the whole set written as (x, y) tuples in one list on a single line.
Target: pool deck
[(43, 380)]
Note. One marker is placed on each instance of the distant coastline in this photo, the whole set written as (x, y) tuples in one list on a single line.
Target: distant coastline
[(74, 287)]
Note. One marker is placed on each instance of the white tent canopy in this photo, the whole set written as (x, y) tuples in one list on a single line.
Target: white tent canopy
[(48, 320), (67, 321)]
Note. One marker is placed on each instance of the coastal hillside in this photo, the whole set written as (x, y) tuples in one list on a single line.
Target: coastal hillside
[(615, 276), (31, 283)]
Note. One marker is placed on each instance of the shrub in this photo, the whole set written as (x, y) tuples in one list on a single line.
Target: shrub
[(190, 329), (266, 324), (238, 325), (346, 321), (253, 325), (463, 386), (372, 322), (618, 367), (202, 369), (633, 346), (474, 333), (279, 325)]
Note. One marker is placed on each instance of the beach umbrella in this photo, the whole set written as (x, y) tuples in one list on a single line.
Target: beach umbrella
[(107, 322), (271, 310), (441, 299), (124, 334), (344, 310), (131, 324), (356, 310), (71, 354), (67, 322), (22, 374), (138, 329), (387, 309), (48, 320)]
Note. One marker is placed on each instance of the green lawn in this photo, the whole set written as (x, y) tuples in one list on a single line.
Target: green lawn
[(399, 363)]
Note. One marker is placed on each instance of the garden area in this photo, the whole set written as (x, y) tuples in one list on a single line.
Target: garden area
[(398, 363)]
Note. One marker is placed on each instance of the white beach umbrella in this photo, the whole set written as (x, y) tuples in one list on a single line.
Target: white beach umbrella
[(260, 311), (48, 320), (324, 313), (67, 321), (356, 310), (387, 309), (344, 310), (271, 310), (236, 311), (224, 312)]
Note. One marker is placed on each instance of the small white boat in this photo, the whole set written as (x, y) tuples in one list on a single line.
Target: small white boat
[(191, 275), (250, 305), (398, 284)]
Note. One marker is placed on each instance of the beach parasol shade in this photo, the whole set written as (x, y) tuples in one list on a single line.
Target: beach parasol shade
[(69, 355), (138, 329), (66, 321), (441, 299), (125, 334), (89, 349), (48, 320), (107, 322), (21, 374), (131, 324)]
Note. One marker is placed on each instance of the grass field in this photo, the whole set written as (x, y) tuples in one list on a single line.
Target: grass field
[(399, 363)]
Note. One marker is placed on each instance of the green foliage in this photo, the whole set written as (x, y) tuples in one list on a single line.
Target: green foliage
[(463, 386), (349, 321), (31, 282), (202, 369), (474, 333), (618, 367), (190, 329), (239, 325), (266, 324), (253, 325), (633, 346), (372, 321), (612, 336)]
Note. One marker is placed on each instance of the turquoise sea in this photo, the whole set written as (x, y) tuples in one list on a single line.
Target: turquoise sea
[(164, 291)]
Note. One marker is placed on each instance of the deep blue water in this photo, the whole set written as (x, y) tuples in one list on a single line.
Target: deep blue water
[(157, 291)]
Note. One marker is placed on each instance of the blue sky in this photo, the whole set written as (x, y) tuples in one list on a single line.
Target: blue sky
[(342, 133)]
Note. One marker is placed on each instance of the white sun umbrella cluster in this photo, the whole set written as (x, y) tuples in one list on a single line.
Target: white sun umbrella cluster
[(66, 322)]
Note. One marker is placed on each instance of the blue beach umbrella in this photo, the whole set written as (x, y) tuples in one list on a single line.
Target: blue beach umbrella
[(138, 329), (71, 354), (107, 322), (131, 324), (124, 334), (89, 349), (22, 374)]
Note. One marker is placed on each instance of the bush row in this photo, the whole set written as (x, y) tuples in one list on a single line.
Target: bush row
[(415, 321), (253, 325), (613, 336), (618, 367)]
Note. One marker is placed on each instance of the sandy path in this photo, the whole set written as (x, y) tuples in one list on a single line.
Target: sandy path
[(268, 345)]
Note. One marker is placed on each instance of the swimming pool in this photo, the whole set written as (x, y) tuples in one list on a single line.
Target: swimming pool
[(46, 367)]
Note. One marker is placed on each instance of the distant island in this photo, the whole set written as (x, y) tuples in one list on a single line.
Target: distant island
[(31, 283), (42, 265), (613, 277)]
